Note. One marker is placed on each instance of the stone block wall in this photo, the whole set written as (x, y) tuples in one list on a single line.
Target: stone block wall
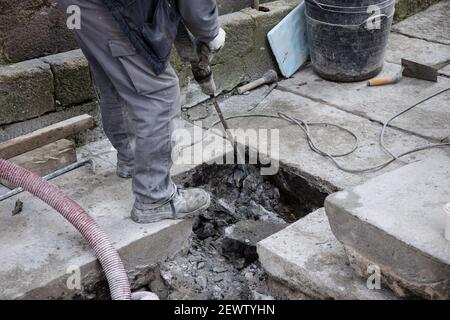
[(36, 28), (43, 90)]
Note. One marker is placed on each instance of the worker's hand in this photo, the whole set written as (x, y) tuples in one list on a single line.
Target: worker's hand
[(201, 68), (218, 43)]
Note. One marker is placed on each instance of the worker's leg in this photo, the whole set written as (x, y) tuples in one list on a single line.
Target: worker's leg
[(153, 101), (115, 118)]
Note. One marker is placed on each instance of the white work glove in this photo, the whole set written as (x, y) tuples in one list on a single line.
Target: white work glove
[(219, 41)]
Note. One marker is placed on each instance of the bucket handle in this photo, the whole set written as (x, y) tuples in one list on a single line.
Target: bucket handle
[(378, 16), (322, 6)]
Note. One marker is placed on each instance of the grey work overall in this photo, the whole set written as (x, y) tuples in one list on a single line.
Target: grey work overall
[(129, 86)]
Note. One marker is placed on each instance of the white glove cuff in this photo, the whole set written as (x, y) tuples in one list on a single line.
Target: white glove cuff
[(219, 41)]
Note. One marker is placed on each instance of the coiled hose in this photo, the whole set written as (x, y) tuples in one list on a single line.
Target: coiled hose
[(72, 212)]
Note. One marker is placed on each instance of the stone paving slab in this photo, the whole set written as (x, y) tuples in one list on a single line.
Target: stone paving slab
[(294, 150), (431, 119), (397, 221), (421, 51), (432, 24), (38, 245), (3, 189), (308, 258), (445, 71)]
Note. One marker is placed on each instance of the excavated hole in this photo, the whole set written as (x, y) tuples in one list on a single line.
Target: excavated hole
[(222, 262)]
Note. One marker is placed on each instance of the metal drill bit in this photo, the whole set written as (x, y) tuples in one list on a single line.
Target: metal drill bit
[(237, 153)]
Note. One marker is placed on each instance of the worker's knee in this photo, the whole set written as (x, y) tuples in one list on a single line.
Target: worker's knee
[(138, 72)]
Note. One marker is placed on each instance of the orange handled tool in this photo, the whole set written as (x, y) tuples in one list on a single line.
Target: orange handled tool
[(409, 69), (385, 81)]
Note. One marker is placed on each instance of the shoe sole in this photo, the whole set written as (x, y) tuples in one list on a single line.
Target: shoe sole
[(153, 218)]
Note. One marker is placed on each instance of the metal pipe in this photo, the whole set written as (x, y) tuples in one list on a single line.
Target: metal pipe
[(72, 212), (50, 176)]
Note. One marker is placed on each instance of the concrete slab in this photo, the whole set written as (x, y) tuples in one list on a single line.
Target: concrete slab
[(445, 71), (39, 247), (3, 189), (242, 238), (308, 258), (432, 24), (421, 51), (431, 119), (396, 221), (294, 152)]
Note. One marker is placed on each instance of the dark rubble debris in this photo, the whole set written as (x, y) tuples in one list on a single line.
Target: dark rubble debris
[(18, 208), (239, 243), (214, 268)]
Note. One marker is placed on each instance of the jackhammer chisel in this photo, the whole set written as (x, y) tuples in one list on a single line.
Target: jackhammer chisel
[(200, 56)]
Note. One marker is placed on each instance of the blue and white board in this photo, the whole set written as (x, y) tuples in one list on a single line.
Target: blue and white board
[(289, 41)]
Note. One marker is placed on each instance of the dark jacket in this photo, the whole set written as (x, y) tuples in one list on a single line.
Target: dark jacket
[(151, 25)]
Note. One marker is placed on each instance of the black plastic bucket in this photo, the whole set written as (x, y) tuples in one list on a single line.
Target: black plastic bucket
[(348, 38)]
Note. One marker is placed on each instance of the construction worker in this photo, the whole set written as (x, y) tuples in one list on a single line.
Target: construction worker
[(127, 44)]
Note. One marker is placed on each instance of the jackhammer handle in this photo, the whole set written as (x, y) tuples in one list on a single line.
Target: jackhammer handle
[(251, 86), (269, 77)]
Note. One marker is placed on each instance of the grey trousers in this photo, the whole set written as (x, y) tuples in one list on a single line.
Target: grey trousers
[(128, 87)]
